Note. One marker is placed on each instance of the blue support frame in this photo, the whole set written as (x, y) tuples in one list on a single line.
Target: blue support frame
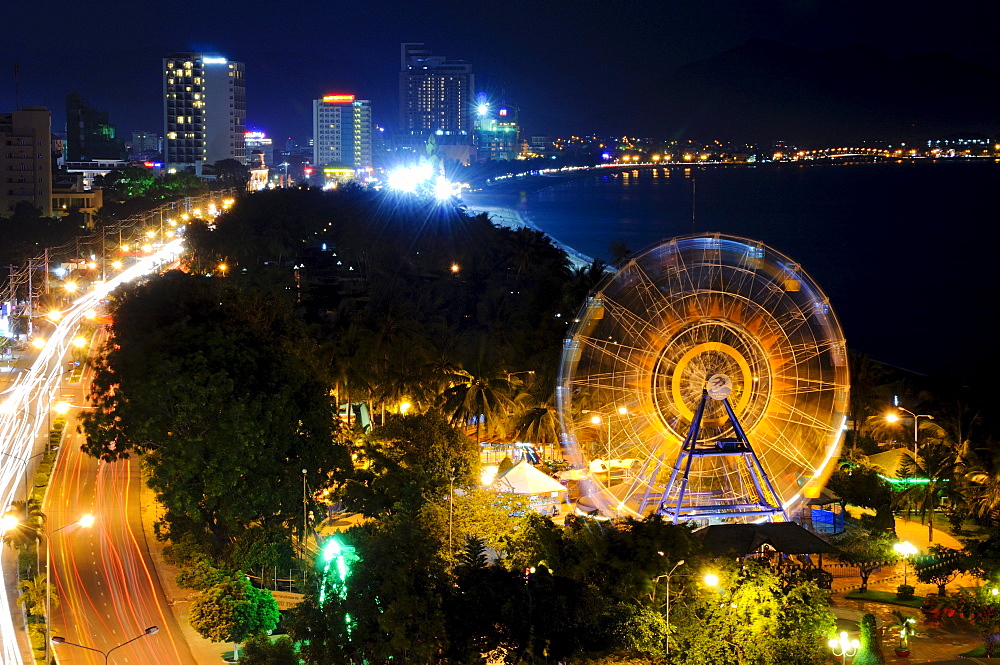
[(763, 502)]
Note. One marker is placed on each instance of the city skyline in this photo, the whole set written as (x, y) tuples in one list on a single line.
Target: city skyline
[(560, 68)]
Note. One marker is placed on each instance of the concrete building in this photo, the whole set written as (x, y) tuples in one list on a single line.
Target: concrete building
[(89, 135), (204, 110), (145, 145), (342, 133), (435, 94), (26, 159)]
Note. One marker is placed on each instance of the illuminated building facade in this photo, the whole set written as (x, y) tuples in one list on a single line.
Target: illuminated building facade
[(435, 94), (204, 110), (342, 132), (496, 134), (26, 159), (89, 135)]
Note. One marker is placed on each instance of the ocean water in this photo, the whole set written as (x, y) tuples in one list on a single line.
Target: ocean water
[(907, 253)]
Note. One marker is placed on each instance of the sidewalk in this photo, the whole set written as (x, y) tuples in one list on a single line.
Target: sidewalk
[(936, 644), (205, 651)]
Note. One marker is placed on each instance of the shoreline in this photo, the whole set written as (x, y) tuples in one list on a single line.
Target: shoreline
[(515, 219)]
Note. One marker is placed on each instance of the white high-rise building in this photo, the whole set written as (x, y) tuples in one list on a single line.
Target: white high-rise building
[(204, 110), (435, 93), (342, 132)]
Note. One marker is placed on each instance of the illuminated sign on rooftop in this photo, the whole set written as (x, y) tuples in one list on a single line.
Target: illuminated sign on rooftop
[(254, 135), (214, 60), (338, 99)]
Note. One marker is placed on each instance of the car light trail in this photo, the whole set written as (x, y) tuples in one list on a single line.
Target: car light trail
[(25, 405)]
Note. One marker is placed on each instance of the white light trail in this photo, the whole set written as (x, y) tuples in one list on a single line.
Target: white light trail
[(25, 407)]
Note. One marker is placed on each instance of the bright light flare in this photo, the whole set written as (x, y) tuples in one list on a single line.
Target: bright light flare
[(711, 580), (79, 342), (62, 408), (87, 521), (38, 342), (443, 189), (90, 314), (8, 522), (117, 265), (70, 287), (54, 316)]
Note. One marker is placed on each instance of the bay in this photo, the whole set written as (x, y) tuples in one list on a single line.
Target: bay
[(906, 252)]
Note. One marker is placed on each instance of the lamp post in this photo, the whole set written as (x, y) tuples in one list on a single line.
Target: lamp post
[(667, 606), (892, 417), (844, 648), (152, 630), (904, 550)]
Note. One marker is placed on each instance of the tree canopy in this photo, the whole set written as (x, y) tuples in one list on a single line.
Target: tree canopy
[(219, 389)]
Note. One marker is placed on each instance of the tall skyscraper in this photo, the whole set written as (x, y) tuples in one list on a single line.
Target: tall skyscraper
[(342, 132), (89, 135), (26, 159), (435, 94), (204, 110)]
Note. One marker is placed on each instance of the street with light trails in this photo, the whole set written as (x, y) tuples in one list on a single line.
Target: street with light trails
[(25, 412)]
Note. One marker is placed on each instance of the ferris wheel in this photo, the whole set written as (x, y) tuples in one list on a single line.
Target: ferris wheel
[(706, 380)]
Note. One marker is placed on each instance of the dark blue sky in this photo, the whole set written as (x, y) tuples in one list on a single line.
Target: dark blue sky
[(570, 66)]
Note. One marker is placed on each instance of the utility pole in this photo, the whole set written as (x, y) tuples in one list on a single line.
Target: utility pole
[(47, 270), (31, 269)]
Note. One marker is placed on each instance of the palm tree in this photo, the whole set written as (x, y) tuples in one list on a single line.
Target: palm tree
[(484, 397), (936, 463), (33, 595), (536, 414)]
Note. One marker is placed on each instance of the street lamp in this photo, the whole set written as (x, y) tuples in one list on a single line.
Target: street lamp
[(904, 550), (892, 417), (667, 606), (711, 579), (843, 647), (152, 630)]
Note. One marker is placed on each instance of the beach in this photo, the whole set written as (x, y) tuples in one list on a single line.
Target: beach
[(512, 218)]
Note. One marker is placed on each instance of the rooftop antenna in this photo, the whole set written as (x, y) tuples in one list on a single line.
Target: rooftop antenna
[(17, 86)]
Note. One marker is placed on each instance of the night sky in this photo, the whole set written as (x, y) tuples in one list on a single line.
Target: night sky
[(571, 67)]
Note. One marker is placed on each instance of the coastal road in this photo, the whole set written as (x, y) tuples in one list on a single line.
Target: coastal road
[(104, 576), (25, 406)]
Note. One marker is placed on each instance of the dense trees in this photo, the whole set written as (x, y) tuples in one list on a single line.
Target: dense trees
[(220, 390)]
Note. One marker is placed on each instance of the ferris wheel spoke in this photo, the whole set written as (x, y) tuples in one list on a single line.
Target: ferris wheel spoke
[(803, 355), (645, 288), (618, 353), (797, 416), (802, 386), (788, 449), (629, 321)]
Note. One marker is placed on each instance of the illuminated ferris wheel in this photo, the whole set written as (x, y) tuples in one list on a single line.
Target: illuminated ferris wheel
[(706, 380)]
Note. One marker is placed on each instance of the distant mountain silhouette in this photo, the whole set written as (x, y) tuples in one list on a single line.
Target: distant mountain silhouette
[(765, 91)]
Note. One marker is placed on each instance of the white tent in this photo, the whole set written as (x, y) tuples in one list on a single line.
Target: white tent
[(546, 493)]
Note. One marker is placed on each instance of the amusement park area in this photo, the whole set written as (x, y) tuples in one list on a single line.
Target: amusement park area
[(450, 448)]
